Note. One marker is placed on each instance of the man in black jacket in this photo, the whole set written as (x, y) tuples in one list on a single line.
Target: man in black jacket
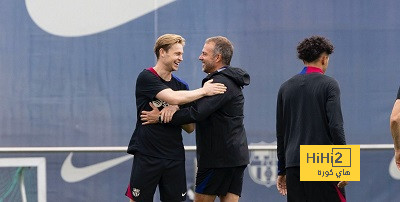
[(222, 150), (308, 113)]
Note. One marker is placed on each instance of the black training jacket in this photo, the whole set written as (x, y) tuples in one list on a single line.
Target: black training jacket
[(220, 134), (308, 113)]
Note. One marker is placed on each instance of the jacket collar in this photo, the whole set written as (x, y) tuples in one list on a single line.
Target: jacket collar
[(311, 69)]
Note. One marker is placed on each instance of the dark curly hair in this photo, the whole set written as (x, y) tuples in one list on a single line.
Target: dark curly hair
[(310, 49)]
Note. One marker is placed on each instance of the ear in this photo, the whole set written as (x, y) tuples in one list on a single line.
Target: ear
[(162, 52), (324, 59), (218, 58)]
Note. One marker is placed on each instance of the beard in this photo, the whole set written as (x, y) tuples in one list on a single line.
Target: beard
[(208, 67)]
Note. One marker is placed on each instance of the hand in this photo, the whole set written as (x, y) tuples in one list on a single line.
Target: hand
[(150, 117), (397, 158), (168, 112), (213, 88), (342, 184), (281, 184)]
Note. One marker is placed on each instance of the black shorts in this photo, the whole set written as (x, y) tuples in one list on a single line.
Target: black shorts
[(311, 190), (220, 181), (148, 172)]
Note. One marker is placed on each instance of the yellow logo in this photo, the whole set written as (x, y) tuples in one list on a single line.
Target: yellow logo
[(329, 162)]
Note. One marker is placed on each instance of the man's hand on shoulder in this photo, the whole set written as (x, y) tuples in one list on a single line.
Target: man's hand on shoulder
[(210, 88)]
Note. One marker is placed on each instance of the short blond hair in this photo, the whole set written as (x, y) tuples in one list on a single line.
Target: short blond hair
[(166, 41)]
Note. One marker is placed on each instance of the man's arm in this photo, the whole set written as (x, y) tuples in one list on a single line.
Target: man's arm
[(395, 130), (280, 137), (182, 96), (334, 114), (155, 116), (197, 112), (281, 180), (202, 107)]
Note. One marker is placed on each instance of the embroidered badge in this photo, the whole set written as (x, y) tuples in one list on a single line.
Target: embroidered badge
[(135, 192)]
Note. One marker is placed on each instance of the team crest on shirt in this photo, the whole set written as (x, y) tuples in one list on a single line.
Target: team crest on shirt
[(135, 192), (263, 167), (159, 103)]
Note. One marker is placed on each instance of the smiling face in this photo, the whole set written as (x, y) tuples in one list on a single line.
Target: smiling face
[(208, 58), (173, 57)]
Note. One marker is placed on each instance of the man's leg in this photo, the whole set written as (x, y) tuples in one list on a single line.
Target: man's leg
[(204, 197), (230, 198), (172, 184), (145, 175)]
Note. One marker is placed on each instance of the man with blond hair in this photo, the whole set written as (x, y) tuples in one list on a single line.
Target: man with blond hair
[(158, 148)]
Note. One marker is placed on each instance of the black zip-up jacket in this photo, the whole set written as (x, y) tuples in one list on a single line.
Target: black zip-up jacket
[(220, 134)]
